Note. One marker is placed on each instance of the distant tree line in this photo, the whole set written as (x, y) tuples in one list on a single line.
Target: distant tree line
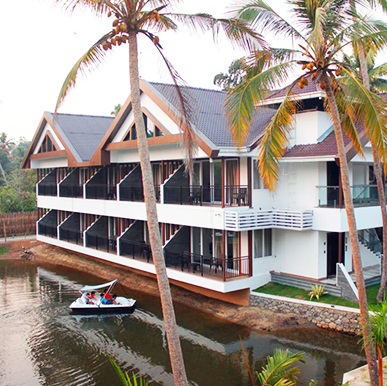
[(17, 185)]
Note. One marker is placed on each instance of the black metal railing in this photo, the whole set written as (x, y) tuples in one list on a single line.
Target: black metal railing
[(101, 192), (47, 230), (208, 266), (362, 195), (137, 251), (101, 243), (233, 195), (136, 193), (70, 191), (47, 190), (71, 236)]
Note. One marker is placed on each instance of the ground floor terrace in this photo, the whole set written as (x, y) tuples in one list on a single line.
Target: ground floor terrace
[(217, 260)]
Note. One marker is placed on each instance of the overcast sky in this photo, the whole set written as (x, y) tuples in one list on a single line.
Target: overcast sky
[(41, 42)]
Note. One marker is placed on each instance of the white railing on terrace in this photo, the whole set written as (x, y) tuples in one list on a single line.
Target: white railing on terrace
[(261, 219)]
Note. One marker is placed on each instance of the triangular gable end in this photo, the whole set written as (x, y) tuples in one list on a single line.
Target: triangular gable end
[(114, 138), (46, 144)]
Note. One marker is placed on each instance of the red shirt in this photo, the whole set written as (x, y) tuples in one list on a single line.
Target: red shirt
[(107, 296)]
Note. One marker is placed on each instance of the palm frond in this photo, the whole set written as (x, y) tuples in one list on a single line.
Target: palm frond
[(277, 372), (241, 101), (349, 119), (238, 32), (100, 7), (372, 111), (90, 60), (266, 20), (317, 34), (125, 379), (187, 110), (274, 141)]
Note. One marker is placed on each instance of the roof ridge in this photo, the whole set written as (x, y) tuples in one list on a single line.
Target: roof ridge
[(195, 88), (83, 115)]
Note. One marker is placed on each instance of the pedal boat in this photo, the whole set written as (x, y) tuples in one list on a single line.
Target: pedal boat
[(81, 305)]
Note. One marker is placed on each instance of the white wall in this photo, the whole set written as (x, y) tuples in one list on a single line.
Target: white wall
[(156, 153), (297, 253), (309, 126), (57, 162), (297, 186)]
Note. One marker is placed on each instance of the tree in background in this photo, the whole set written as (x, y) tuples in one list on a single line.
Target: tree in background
[(234, 77), (116, 110)]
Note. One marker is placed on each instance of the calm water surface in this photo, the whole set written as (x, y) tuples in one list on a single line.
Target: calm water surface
[(43, 344)]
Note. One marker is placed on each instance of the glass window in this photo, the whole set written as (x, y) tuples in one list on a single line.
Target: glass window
[(158, 132), (257, 178), (262, 243)]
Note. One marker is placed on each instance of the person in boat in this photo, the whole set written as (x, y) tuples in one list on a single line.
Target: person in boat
[(106, 298), (91, 298), (114, 299)]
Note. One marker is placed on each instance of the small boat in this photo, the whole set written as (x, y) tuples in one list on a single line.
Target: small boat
[(98, 305)]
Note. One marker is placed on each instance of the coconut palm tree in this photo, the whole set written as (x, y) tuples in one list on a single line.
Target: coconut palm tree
[(131, 18), (323, 29), (364, 63), (378, 324)]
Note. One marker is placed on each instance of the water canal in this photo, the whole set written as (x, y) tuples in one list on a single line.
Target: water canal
[(43, 344)]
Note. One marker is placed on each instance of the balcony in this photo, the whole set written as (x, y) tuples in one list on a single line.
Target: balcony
[(234, 195), (74, 191), (47, 186), (362, 195), (188, 262)]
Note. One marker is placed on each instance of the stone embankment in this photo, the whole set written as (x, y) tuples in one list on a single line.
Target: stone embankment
[(343, 319)]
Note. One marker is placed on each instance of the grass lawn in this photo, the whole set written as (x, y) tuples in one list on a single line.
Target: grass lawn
[(297, 293), (3, 250)]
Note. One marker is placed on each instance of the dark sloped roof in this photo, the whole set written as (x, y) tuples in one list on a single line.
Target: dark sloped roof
[(210, 113), (310, 88), (82, 133)]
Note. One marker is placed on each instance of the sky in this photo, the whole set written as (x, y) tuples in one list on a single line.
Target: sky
[(43, 41)]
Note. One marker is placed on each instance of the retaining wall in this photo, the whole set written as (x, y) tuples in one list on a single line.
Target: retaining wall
[(338, 318)]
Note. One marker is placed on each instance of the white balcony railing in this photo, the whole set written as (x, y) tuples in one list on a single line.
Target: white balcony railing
[(260, 219)]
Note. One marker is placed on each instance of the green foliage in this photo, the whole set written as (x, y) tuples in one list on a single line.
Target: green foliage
[(234, 77), (124, 377), (378, 323), (316, 291), (3, 250), (116, 110), (278, 371)]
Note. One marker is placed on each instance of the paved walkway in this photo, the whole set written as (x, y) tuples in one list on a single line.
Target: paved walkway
[(360, 376), (368, 272), (27, 237)]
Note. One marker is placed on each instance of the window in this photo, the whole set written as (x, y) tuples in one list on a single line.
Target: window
[(47, 145), (258, 183), (262, 243)]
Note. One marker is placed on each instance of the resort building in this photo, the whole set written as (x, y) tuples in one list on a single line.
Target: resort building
[(223, 233)]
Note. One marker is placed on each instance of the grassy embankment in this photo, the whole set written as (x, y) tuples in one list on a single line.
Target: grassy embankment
[(297, 293)]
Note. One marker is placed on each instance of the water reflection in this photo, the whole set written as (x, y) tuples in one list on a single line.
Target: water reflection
[(44, 344)]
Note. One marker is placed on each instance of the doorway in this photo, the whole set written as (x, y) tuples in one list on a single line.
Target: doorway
[(333, 253)]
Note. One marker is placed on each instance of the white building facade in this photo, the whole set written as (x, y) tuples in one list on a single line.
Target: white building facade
[(223, 233)]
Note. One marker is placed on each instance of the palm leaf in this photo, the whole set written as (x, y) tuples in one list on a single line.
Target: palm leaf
[(263, 17), (238, 32), (277, 372), (90, 60), (372, 112), (274, 141), (241, 101)]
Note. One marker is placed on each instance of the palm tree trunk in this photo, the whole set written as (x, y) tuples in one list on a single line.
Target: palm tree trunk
[(379, 181), (380, 364), (364, 317), (175, 353)]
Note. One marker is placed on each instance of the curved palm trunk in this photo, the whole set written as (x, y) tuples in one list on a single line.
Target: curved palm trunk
[(175, 353), (379, 181), (364, 317)]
